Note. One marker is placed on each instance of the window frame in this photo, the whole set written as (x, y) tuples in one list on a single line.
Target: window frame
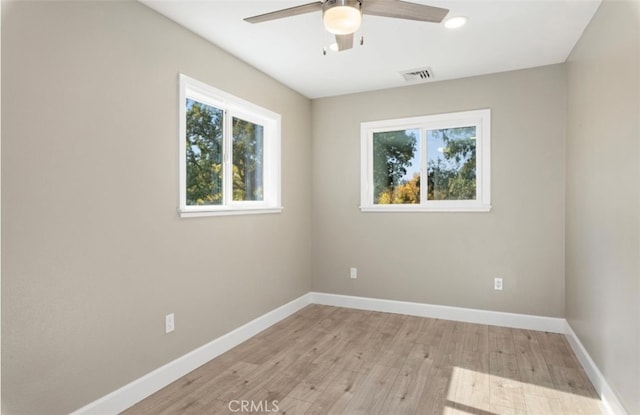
[(232, 107), (481, 119)]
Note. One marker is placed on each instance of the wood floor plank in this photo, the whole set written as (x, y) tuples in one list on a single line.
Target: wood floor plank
[(428, 331), (501, 340), (258, 377), (434, 397), (338, 361), (578, 394), (539, 393), (506, 392), (531, 361), (338, 394), (396, 348), (476, 338), (285, 380), (405, 392), (358, 353), (438, 390), (191, 390), (555, 350), (543, 404), (410, 329), (473, 385), (315, 382), (370, 395), (287, 372), (290, 406)]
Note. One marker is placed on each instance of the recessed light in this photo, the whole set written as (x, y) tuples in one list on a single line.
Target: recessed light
[(455, 22), (334, 46)]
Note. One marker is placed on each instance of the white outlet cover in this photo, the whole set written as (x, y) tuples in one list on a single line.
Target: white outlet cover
[(169, 323)]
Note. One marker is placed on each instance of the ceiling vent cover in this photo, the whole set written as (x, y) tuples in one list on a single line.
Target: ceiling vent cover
[(422, 74)]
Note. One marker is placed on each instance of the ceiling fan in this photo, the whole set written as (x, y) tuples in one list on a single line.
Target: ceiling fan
[(343, 17)]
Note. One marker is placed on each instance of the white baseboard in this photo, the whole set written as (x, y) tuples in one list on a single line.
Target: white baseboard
[(134, 392), (469, 315), (609, 399), (141, 388)]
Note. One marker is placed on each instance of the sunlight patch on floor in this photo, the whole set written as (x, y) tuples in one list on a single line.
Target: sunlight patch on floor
[(474, 392)]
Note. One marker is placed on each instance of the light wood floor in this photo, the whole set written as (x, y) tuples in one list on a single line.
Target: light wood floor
[(330, 360)]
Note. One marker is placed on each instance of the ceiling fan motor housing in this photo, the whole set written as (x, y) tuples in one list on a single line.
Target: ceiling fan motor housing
[(342, 17)]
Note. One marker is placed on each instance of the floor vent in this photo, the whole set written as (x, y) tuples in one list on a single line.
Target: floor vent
[(422, 74)]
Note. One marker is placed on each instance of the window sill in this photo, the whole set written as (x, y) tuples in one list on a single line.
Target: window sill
[(413, 208), (228, 212)]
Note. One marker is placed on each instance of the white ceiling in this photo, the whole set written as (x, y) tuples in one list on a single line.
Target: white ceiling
[(500, 36)]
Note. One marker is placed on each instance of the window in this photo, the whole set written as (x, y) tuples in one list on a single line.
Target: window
[(430, 163), (229, 153)]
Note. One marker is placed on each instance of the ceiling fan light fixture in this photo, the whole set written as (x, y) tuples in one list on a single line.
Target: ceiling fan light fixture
[(342, 17), (455, 22)]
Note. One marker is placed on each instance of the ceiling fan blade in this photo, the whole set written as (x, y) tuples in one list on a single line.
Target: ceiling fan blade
[(344, 42), (404, 10), (291, 11)]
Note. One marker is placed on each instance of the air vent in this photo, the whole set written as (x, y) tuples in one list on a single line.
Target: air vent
[(422, 74)]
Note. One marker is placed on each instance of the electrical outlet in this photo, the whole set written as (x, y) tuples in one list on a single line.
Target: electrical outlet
[(497, 284), (169, 323), (353, 273)]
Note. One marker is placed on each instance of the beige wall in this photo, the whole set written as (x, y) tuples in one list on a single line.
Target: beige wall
[(603, 195), (94, 253), (449, 258)]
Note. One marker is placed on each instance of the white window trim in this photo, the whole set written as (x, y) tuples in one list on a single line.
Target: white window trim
[(480, 118), (239, 108)]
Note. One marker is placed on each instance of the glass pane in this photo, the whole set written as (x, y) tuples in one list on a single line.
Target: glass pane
[(451, 165), (396, 167), (204, 154), (248, 140)]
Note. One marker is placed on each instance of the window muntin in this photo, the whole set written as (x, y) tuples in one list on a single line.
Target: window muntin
[(229, 153), (431, 163)]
